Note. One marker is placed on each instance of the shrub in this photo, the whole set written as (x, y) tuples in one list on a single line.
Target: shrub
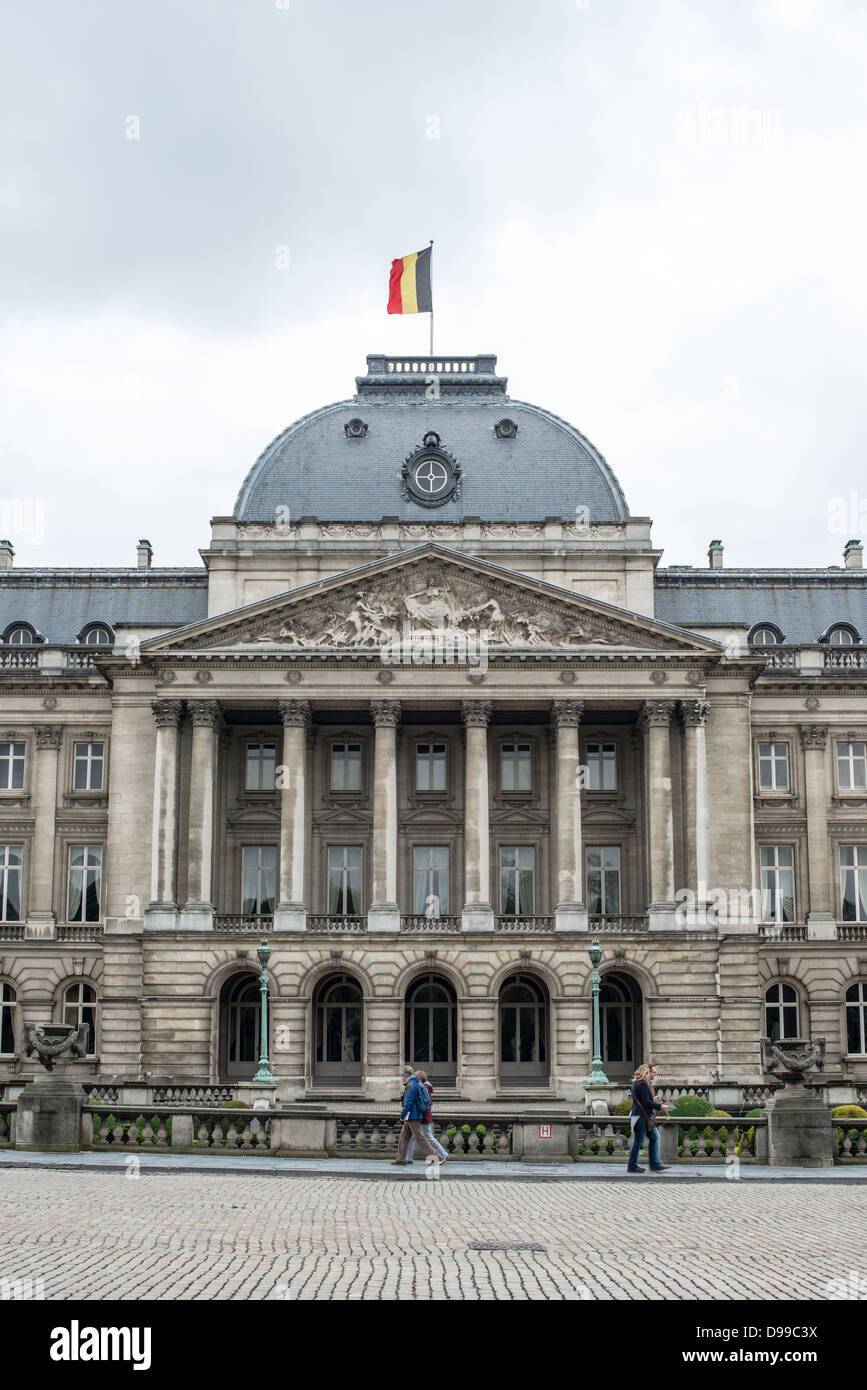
[(234, 1105), (849, 1112), (754, 1114), (723, 1114), (692, 1105), (623, 1107)]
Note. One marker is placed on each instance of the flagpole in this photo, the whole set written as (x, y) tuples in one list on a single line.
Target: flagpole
[(431, 299)]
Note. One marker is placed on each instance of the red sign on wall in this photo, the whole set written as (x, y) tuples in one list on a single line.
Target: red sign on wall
[(544, 1131)]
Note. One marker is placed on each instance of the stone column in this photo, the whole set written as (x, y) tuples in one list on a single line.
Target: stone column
[(205, 715), (40, 911), (384, 912), (696, 818), (478, 914), (570, 913), (291, 912), (656, 719), (821, 923), (161, 914)]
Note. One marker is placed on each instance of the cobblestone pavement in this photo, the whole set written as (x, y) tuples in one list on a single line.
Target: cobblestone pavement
[(100, 1235)]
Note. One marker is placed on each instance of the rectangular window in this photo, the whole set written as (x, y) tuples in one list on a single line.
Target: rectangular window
[(773, 767), (11, 766), (853, 882), (261, 767), (430, 767), (603, 879), (346, 767), (851, 767), (344, 880), (517, 873), (88, 763), (11, 857), (84, 883), (258, 879), (601, 767), (778, 883), (430, 880), (516, 767)]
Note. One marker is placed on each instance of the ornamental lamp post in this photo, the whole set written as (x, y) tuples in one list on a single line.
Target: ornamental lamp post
[(597, 1076), (263, 1075)]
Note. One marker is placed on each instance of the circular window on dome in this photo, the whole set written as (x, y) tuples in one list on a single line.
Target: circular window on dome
[(430, 476)]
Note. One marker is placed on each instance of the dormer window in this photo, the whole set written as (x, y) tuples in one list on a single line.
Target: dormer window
[(841, 635), (96, 635), (20, 634), (764, 635)]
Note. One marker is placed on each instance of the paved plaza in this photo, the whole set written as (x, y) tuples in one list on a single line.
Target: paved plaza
[(102, 1234)]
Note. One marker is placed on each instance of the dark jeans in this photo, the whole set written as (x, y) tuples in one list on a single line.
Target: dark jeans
[(638, 1137)]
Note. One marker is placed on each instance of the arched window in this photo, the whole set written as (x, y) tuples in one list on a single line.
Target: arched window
[(8, 1006), (856, 1020), (20, 634), (781, 1012), (620, 1025), (431, 1029), (842, 636), (523, 1032), (337, 1032), (96, 635), (79, 1006), (240, 1022), (764, 635)]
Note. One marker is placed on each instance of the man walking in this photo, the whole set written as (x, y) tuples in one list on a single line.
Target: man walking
[(415, 1104)]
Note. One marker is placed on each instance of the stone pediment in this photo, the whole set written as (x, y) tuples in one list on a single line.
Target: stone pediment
[(427, 598), (344, 815)]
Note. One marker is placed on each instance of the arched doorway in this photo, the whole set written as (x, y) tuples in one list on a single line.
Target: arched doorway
[(431, 1028), (240, 1022), (523, 1032), (337, 1019), (620, 1026)]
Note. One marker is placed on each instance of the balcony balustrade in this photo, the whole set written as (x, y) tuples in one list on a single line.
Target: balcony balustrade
[(618, 922)]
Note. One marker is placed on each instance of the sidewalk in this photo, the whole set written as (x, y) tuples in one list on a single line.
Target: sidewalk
[(468, 1170)]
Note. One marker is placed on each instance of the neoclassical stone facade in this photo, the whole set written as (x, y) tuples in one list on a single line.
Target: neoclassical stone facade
[(431, 746)]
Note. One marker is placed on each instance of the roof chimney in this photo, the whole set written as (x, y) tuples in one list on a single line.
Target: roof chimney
[(853, 554), (715, 555), (145, 552), (7, 555)]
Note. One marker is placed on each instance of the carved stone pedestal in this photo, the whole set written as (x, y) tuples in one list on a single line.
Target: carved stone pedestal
[(800, 1130), (48, 1119)]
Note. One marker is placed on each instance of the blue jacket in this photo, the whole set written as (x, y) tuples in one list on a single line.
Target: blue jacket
[(416, 1101), (642, 1100)]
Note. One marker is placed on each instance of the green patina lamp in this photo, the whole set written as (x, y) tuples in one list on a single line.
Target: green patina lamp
[(597, 1076), (263, 1075)]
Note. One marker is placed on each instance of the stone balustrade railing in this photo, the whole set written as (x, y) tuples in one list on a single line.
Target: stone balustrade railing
[(851, 1141)]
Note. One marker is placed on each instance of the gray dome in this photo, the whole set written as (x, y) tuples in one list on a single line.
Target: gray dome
[(318, 468)]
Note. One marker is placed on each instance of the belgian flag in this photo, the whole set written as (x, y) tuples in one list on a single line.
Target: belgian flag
[(409, 284)]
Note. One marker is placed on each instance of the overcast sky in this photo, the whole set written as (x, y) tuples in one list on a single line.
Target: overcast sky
[(653, 211)]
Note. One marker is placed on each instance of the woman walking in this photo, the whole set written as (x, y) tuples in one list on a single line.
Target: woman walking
[(427, 1120), (643, 1121)]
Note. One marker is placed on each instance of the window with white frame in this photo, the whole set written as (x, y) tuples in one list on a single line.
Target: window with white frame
[(430, 767), (258, 879), (856, 1020), (430, 880), (601, 767), (11, 858), (517, 880), (852, 766), (346, 767), (781, 1012), (777, 864), (88, 767), (8, 1005), (84, 883), (603, 879), (773, 767), (20, 636), (516, 767), (853, 882), (841, 637), (11, 766), (98, 636), (344, 880), (261, 767), (763, 637), (79, 1006)]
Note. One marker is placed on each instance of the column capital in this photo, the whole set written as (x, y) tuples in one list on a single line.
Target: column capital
[(476, 714), (385, 713), (566, 713), (694, 713), (167, 713), (49, 735), (204, 714), (295, 714), (814, 735), (656, 714)]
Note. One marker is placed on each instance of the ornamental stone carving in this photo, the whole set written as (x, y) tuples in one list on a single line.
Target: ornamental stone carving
[(385, 713), (814, 736), (567, 713), (295, 714), (204, 713), (694, 713), (49, 735), (476, 714), (167, 713), (656, 714)]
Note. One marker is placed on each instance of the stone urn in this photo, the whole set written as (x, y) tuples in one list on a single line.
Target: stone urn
[(48, 1115), (800, 1130)]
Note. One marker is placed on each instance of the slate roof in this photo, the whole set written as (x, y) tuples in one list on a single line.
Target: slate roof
[(547, 470), (59, 602), (802, 603)]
